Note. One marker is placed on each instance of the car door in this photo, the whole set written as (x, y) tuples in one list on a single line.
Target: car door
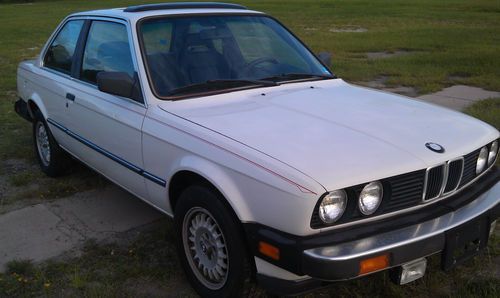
[(57, 63), (105, 128)]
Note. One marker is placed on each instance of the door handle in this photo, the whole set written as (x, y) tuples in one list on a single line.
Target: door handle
[(70, 96)]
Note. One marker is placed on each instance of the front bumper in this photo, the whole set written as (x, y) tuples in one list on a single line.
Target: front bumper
[(336, 255), (338, 262)]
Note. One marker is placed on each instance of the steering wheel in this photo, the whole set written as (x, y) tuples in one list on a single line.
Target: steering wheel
[(250, 66)]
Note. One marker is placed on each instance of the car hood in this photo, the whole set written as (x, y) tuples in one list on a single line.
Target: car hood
[(336, 133)]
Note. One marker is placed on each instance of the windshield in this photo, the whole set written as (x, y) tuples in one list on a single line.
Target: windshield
[(222, 53)]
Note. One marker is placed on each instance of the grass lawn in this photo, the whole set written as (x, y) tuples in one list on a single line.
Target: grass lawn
[(440, 43), (488, 110), (445, 43), (149, 267)]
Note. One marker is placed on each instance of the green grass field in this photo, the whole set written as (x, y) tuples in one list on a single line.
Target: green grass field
[(443, 43)]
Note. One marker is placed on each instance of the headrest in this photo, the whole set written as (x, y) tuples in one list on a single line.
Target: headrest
[(215, 33)]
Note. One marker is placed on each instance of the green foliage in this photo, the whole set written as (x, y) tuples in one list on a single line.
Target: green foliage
[(22, 267)]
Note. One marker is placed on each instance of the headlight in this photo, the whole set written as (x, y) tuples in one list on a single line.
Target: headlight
[(481, 160), (333, 206), (370, 197), (493, 152)]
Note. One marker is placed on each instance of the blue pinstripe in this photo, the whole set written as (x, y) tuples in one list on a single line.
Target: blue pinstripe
[(109, 155)]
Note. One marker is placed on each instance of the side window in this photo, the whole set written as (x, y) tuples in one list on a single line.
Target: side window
[(107, 49), (59, 56)]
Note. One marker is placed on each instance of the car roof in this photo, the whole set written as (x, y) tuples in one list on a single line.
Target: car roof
[(138, 12)]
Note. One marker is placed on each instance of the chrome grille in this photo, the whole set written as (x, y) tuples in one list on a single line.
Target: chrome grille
[(434, 182), (455, 170), (457, 173)]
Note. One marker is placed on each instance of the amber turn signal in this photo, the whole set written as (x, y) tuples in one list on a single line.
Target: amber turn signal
[(373, 264), (269, 250)]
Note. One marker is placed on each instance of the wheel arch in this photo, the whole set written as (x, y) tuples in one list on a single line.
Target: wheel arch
[(35, 103), (195, 169), (214, 177)]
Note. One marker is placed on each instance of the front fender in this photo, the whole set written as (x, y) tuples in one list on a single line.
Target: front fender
[(221, 178), (254, 200), (258, 189)]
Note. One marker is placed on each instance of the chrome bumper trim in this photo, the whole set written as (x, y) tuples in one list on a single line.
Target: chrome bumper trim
[(405, 236)]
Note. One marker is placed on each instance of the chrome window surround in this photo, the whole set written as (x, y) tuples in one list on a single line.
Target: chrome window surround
[(445, 179)]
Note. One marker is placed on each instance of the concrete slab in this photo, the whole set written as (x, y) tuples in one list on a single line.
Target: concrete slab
[(44, 231), (34, 233), (381, 83), (98, 214), (459, 97), (456, 97), (467, 93), (448, 102)]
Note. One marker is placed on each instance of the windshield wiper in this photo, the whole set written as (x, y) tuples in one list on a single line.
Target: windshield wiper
[(298, 76), (214, 85)]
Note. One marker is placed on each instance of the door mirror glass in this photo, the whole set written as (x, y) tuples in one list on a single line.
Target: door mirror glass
[(326, 58), (119, 83)]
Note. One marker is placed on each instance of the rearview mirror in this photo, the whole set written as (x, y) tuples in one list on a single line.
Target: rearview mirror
[(326, 58), (119, 83)]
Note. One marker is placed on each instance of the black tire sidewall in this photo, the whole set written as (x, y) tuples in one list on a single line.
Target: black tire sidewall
[(239, 268)]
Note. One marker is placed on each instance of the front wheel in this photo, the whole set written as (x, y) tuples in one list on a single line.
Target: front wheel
[(210, 244)]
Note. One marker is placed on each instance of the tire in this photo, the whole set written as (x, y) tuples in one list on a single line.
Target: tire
[(53, 160), (201, 215)]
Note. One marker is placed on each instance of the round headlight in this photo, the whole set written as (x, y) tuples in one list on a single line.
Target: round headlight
[(481, 160), (493, 152), (370, 198), (333, 206)]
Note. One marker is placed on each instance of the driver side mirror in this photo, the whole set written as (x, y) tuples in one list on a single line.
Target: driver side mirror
[(326, 58), (119, 83)]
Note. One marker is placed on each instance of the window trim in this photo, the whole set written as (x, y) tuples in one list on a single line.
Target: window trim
[(82, 41)]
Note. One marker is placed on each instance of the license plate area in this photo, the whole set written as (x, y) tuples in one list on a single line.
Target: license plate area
[(464, 242)]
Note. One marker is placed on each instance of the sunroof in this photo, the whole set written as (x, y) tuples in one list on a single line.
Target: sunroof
[(183, 5)]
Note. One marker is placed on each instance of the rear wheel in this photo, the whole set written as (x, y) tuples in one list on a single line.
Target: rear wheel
[(211, 245), (52, 159)]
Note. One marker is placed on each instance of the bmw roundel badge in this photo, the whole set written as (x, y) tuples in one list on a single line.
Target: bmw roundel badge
[(435, 147)]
